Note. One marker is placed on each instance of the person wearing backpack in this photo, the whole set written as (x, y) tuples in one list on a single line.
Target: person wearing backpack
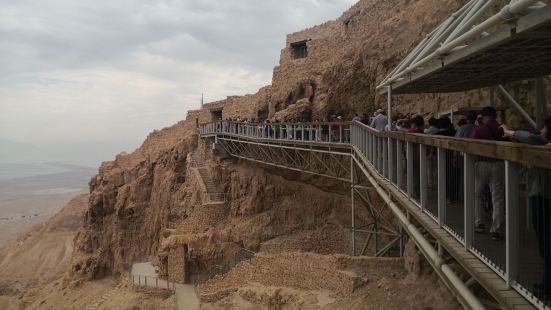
[(490, 173)]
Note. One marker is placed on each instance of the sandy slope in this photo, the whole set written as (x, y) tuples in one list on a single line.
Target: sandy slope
[(42, 255)]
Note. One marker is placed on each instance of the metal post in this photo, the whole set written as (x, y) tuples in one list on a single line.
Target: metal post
[(409, 175), (469, 199), (389, 107), (380, 155), (353, 207), (442, 186), (541, 102), (369, 145), (386, 173), (399, 163), (423, 175), (517, 106), (302, 132), (340, 133), (511, 221), (145, 281), (392, 160)]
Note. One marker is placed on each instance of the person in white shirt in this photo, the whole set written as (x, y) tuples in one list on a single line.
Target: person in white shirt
[(380, 121)]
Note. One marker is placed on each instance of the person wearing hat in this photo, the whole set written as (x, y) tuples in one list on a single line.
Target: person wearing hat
[(380, 121), (489, 172)]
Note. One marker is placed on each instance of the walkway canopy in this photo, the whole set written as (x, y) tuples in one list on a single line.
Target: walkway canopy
[(485, 43)]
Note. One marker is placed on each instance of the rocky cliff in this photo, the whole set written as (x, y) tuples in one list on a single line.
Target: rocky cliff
[(145, 205)]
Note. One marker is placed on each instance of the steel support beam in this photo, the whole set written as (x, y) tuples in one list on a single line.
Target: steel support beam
[(511, 221), (469, 199), (517, 106), (353, 206), (541, 102)]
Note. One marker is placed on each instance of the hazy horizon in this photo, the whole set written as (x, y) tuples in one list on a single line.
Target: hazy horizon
[(83, 81)]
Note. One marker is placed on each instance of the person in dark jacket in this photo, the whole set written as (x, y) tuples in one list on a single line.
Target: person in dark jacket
[(445, 127), (489, 172), (465, 130), (539, 201)]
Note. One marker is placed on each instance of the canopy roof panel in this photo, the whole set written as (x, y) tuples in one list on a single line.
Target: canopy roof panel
[(467, 53)]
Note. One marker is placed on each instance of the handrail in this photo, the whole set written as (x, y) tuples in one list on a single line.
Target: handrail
[(516, 152), (156, 282)]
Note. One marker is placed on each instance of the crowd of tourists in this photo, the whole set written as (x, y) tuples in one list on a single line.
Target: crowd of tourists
[(489, 172)]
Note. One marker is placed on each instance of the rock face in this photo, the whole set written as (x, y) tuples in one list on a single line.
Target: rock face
[(130, 203), (155, 210)]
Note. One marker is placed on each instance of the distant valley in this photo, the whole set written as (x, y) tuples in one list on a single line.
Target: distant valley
[(32, 193)]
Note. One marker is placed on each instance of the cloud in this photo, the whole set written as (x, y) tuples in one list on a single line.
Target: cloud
[(97, 71)]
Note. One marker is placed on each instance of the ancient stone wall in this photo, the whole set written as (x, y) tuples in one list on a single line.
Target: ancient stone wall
[(307, 271), (177, 263)]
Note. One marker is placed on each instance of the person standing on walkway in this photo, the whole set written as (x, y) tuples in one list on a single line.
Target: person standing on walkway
[(380, 121), (365, 119), (433, 126), (490, 172), (464, 131), (539, 201)]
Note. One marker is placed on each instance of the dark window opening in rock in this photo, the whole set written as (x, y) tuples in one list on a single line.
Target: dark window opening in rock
[(196, 123), (216, 115), (300, 50)]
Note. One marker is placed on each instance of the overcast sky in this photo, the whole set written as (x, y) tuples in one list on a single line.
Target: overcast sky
[(97, 76)]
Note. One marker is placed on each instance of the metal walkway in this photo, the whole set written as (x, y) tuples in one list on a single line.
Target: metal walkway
[(427, 184)]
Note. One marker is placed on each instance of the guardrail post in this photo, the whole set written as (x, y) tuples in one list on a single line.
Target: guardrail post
[(353, 207), (469, 199), (423, 175), (386, 172), (442, 164), (391, 150), (399, 163), (373, 149), (381, 151), (511, 221), (340, 133), (409, 175)]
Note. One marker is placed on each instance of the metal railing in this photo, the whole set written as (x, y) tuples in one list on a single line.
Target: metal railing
[(336, 132), (461, 189), (458, 183), (154, 282)]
